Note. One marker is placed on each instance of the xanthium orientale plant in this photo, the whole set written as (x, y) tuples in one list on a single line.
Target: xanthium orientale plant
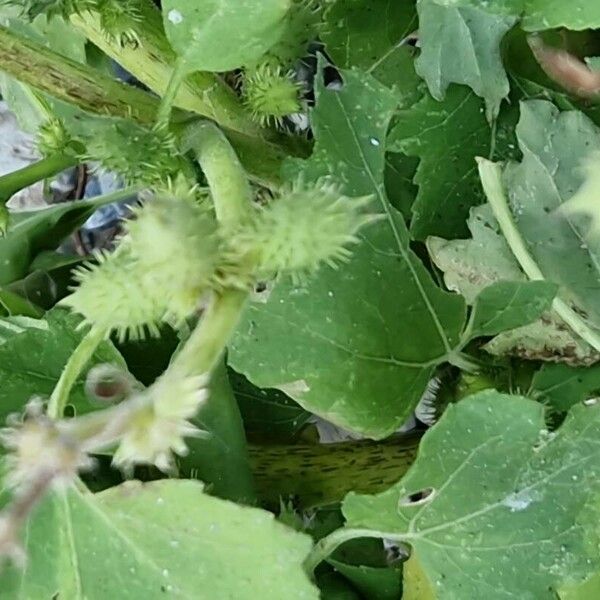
[(372, 223)]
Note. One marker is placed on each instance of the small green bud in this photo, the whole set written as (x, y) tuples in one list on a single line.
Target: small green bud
[(51, 8), (120, 19), (271, 94), (108, 384), (295, 233), (53, 137)]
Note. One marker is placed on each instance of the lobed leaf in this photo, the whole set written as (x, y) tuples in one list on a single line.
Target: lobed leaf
[(222, 35), (342, 344), (157, 540), (503, 508)]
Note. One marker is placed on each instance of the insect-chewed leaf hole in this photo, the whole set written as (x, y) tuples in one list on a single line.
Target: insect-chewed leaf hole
[(417, 498)]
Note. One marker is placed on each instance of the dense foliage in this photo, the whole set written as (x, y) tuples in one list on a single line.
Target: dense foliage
[(341, 214)]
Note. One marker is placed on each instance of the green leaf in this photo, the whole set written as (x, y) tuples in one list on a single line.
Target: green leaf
[(342, 344), (559, 233), (541, 14), (589, 590), (469, 266), (501, 513), (507, 305), (268, 414), (371, 35), (447, 136), (33, 354), (32, 232), (157, 540), (462, 45), (222, 35), (562, 386)]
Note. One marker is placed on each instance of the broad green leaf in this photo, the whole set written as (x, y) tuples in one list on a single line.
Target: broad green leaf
[(561, 386), (32, 357), (589, 590), (336, 587), (342, 344), (462, 45), (14, 304), (541, 14), (371, 35), (220, 460), (165, 539), (447, 136), (469, 266), (503, 503), (222, 35), (507, 305), (559, 233), (267, 413)]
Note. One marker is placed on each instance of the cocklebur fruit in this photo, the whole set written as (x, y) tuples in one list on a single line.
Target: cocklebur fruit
[(51, 8), (112, 295), (119, 20), (53, 137), (176, 244), (270, 93), (138, 155), (306, 226)]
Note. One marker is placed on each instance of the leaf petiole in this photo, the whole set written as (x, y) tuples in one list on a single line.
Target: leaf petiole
[(165, 108), (45, 168), (77, 361)]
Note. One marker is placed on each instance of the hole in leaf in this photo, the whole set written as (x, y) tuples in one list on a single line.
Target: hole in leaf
[(417, 498)]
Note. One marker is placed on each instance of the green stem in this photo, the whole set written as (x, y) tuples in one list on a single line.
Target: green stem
[(491, 178), (204, 348), (465, 363), (13, 182), (326, 546), (226, 450), (77, 361), (163, 115), (229, 185)]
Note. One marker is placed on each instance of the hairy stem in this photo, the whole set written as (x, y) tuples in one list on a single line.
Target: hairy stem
[(320, 474), (75, 365), (491, 178), (152, 62), (94, 92), (67, 80), (232, 197), (13, 182)]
